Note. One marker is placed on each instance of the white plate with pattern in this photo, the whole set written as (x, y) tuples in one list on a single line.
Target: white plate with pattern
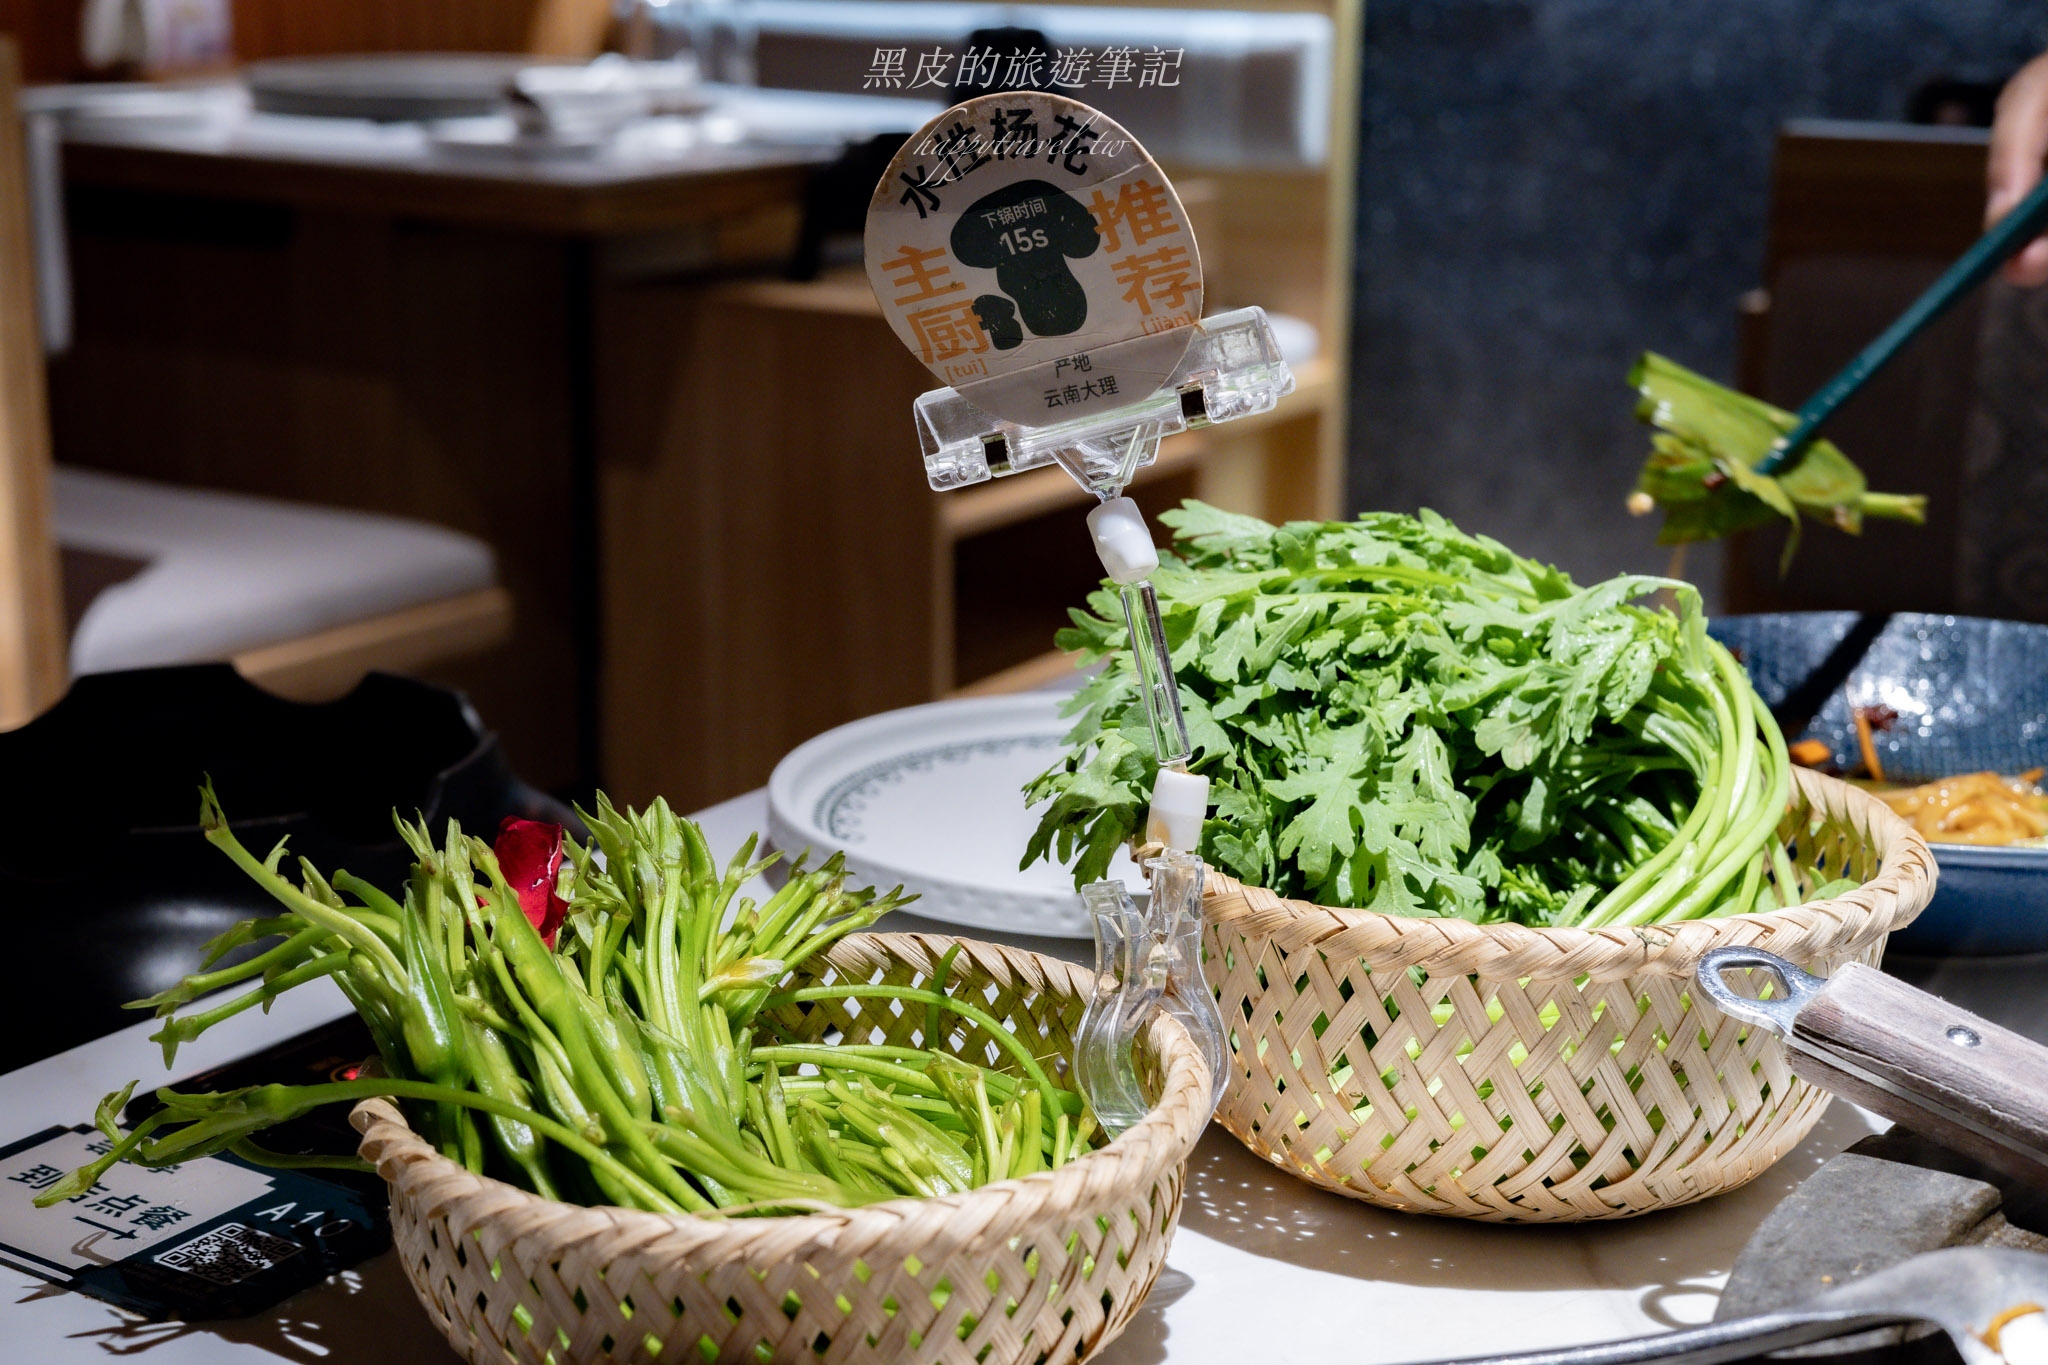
[(932, 797)]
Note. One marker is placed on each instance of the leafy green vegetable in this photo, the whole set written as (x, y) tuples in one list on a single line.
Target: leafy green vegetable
[(1702, 464), (1399, 716), (632, 1058)]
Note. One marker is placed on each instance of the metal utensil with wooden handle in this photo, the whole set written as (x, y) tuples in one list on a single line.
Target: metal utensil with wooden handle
[(1989, 1301), (1900, 1052)]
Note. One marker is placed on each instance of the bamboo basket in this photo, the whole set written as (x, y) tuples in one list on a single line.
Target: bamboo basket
[(1511, 1074), (1050, 1267)]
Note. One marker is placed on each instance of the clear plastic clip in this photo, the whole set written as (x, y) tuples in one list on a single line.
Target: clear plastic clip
[(1145, 961), (1232, 369)]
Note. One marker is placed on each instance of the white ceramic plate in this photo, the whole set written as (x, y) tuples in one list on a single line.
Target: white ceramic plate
[(932, 797)]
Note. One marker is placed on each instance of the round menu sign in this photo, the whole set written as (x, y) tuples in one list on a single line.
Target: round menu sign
[(1032, 254)]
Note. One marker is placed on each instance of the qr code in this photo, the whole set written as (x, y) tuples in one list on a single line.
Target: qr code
[(229, 1254)]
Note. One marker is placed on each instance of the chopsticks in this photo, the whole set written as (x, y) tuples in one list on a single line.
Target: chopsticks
[(2005, 238)]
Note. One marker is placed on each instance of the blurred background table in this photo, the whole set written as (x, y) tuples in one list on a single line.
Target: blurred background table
[(341, 313), (700, 476)]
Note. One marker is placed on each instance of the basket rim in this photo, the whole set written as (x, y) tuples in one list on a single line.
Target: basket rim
[(1802, 933), (1133, 1160)]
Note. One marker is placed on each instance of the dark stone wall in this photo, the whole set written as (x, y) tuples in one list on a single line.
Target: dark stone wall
[(1547, 187)]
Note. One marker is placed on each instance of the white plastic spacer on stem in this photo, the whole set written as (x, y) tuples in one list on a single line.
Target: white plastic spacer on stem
[(1124, 541), (1180, 801)]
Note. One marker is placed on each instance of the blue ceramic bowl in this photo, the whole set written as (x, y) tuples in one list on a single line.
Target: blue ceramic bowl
[(1970, 694)]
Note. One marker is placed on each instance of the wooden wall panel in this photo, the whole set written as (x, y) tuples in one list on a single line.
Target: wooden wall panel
[(47, 30), (768, 530), (32, 664), (47, 33), (278, 28)]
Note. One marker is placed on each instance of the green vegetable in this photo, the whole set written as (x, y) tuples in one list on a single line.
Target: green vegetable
[(631, 1056), (1701, 469), (1398, 716)]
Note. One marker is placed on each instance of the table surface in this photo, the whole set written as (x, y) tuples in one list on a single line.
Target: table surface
[(1255, 1248)]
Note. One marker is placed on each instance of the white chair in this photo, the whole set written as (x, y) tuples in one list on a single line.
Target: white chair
[(100, 571)]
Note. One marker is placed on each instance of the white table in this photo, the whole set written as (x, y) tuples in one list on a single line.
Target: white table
[(1260, 1257)]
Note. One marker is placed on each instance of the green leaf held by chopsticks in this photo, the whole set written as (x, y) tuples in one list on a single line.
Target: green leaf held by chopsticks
[(1702, 465)]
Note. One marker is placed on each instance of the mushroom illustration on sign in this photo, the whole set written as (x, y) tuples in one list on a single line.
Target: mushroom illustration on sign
[(1026, 232)]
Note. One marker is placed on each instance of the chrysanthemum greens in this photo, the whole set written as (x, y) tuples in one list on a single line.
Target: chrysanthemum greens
[(1398, 716)]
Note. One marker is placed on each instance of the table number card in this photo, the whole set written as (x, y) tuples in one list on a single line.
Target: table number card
[(212, 1238)]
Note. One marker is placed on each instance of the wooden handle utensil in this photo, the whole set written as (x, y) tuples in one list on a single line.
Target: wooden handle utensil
[(1903, 1053)]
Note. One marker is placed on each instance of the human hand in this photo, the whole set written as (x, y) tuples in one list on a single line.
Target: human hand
[(2019, 143)]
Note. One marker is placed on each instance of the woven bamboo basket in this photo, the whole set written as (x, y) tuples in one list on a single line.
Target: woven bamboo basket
[(1535, 1075), (1047, 1268)]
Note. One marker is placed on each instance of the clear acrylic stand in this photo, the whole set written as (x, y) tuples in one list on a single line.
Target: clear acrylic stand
[(1232, 369), (1145, 960)]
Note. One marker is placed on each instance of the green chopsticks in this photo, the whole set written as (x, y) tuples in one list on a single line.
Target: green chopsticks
[(1990, 251)]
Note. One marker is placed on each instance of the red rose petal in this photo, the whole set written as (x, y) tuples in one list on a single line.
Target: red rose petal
[(530, 855)]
